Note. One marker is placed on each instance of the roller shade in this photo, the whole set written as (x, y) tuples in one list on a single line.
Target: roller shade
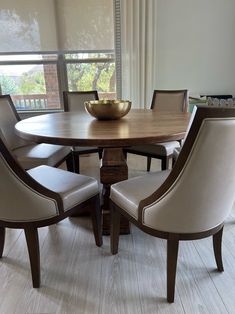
[(52, 25), (85, 24), (27, 25)]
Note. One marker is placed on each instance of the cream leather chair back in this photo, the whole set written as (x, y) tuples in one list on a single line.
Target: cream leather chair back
[(19, 201), (203, 193), (170, 100), (8, 118), (190, 202), (74, 101), (28, 154), (163, 100), (40, 197)]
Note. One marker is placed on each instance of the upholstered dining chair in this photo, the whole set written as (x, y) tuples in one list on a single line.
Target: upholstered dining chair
[(29, 154), (190, 202), (163, 100), (74, 101), (229, 104), (177, 150), (42, 196)]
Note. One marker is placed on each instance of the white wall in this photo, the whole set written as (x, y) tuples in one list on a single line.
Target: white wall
[(196, 45)]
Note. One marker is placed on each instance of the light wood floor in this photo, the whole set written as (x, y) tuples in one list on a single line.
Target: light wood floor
[(78, 277)]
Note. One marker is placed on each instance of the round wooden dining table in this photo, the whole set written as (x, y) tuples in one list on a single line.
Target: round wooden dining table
[(139, 126)]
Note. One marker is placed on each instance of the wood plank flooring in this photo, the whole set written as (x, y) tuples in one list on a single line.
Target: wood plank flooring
[(78, 277)]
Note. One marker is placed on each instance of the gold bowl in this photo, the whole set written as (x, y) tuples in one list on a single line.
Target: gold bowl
[(108, 109)]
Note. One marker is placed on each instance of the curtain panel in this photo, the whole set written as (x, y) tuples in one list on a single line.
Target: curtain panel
[(138, 24)]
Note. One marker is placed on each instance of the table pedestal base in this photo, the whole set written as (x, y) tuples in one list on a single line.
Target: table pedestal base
[(113, 169)]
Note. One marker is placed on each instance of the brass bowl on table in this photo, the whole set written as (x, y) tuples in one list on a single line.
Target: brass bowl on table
[(108, 109)]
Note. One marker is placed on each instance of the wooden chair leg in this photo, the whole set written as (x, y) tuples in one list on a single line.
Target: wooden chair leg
[(148, 163), (97, 221), (217, 245), (115, 228), (70, 163), (100, 152), (76, 162), (31, 235), (172, 255), (164, 163), (2, 240)]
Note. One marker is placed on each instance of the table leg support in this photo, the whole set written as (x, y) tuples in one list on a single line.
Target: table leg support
[(113, 169)]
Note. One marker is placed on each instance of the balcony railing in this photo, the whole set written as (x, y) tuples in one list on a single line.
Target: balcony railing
[(40, 101), (30, 102)]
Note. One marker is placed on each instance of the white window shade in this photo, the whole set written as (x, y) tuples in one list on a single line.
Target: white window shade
[(85, 24), (52, 25), (27, 26)]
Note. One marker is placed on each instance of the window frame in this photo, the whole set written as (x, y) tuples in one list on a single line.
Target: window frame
[(61, 65)]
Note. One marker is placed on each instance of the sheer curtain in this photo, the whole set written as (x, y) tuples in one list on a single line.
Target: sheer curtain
[(138, 23)]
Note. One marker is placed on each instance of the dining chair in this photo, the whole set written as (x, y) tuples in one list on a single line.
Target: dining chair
[(29, 154), (177, 150), (223, 103), (190, 202), (42, 196), (163, 100), (74, 101)]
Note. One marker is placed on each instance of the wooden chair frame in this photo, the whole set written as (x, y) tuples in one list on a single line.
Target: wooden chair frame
[(165, 160), (68, 159), (31, 228), (174, 238), (76, 154)]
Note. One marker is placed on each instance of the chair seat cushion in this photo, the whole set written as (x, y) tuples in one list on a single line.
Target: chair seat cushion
[(34, 155), (128, 194), (73, 188), (159, 149)]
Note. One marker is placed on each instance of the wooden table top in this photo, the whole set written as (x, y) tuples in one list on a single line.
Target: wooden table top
[(138, 127)]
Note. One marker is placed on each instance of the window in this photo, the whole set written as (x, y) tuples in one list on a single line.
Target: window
[(92, 71), (56, 45), (33, 80)]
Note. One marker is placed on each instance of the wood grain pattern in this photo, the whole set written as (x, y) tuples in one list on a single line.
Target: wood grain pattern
[(139, 126), (113, 169)]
